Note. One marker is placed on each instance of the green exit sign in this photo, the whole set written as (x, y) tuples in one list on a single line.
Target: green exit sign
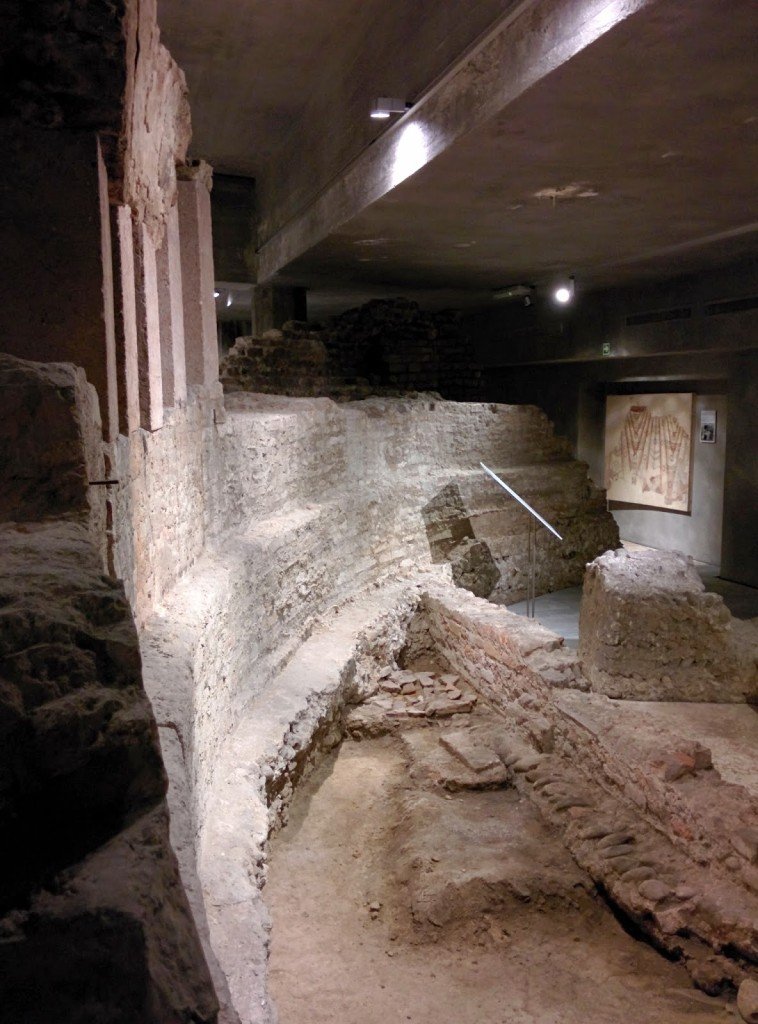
[(606, 348)]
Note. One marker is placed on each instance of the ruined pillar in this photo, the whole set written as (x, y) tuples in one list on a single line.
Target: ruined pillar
[(171, 311), (201, 343), (110, 399), (149, 376), (274, 305), (125, 303)]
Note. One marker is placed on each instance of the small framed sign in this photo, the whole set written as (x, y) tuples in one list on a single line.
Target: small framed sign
[(708, 426)]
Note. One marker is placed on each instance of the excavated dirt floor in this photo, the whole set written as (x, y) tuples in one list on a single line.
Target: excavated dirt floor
[(395, 899)]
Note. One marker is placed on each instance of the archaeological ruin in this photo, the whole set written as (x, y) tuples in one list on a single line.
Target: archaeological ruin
[(378, 512)]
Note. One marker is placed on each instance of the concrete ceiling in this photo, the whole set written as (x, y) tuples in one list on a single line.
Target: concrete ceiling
[(635, 158)]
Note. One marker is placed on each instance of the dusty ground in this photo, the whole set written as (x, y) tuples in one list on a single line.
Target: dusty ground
[(480, 916)]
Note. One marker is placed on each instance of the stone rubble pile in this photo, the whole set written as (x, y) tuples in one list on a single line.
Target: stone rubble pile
[(405, 698), (387, 346)]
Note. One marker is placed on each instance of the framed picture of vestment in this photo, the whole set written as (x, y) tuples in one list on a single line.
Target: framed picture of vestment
[(647, 450)]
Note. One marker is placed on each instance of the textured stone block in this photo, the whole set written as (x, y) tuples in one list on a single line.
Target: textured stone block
[(50, 445), (649, 631)]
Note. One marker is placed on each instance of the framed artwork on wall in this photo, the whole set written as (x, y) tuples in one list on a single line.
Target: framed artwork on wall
[(708, 426), (647, 450)]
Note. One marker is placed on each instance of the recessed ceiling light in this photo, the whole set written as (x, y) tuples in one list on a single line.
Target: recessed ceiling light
[(574, 190), (216, 295), (514, 291), (564, 293), (386, 105)]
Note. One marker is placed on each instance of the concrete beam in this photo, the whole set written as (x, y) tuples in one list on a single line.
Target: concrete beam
[(233, 214), (529, 43)]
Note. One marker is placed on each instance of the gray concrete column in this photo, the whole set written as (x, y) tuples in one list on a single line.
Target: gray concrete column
[(149, 375), (274, 305), (196, 237), (170, 308)]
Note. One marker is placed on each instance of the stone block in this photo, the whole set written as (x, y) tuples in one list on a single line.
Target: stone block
[(649, 631), (473, 567), (50, 445), (473, 754), (747, 1001)]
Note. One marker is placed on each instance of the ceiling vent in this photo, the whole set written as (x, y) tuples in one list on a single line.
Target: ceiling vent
[(731, 306), (659, 316)]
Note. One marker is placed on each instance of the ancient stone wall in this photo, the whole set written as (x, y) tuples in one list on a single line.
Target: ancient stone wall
[(386, 346), (169, 501), (95, 113), (311, 504), (313, 501), (95, 923), (156, 127)]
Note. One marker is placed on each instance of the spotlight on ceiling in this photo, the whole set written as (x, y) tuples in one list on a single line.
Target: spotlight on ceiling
[(386, 105), (229, 300), (515, 291), (564, 293), (216, 295)]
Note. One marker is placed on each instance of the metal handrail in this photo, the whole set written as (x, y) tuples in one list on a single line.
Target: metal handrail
[(531, 583)]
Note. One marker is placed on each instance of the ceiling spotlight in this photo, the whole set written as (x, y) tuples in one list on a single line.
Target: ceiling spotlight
[(514, 291), (229, 300), (564, 293), (386, 105), (216, 295)]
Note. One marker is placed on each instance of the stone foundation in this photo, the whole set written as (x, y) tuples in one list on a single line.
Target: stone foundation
[(312, 507), (649, 631), (673, 852)]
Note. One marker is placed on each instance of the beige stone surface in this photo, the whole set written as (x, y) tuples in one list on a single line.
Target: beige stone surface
[(111, 939), (90, 887), (649, 631), (50, 446), (93, 918), (157, 128), (747, 1001)]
